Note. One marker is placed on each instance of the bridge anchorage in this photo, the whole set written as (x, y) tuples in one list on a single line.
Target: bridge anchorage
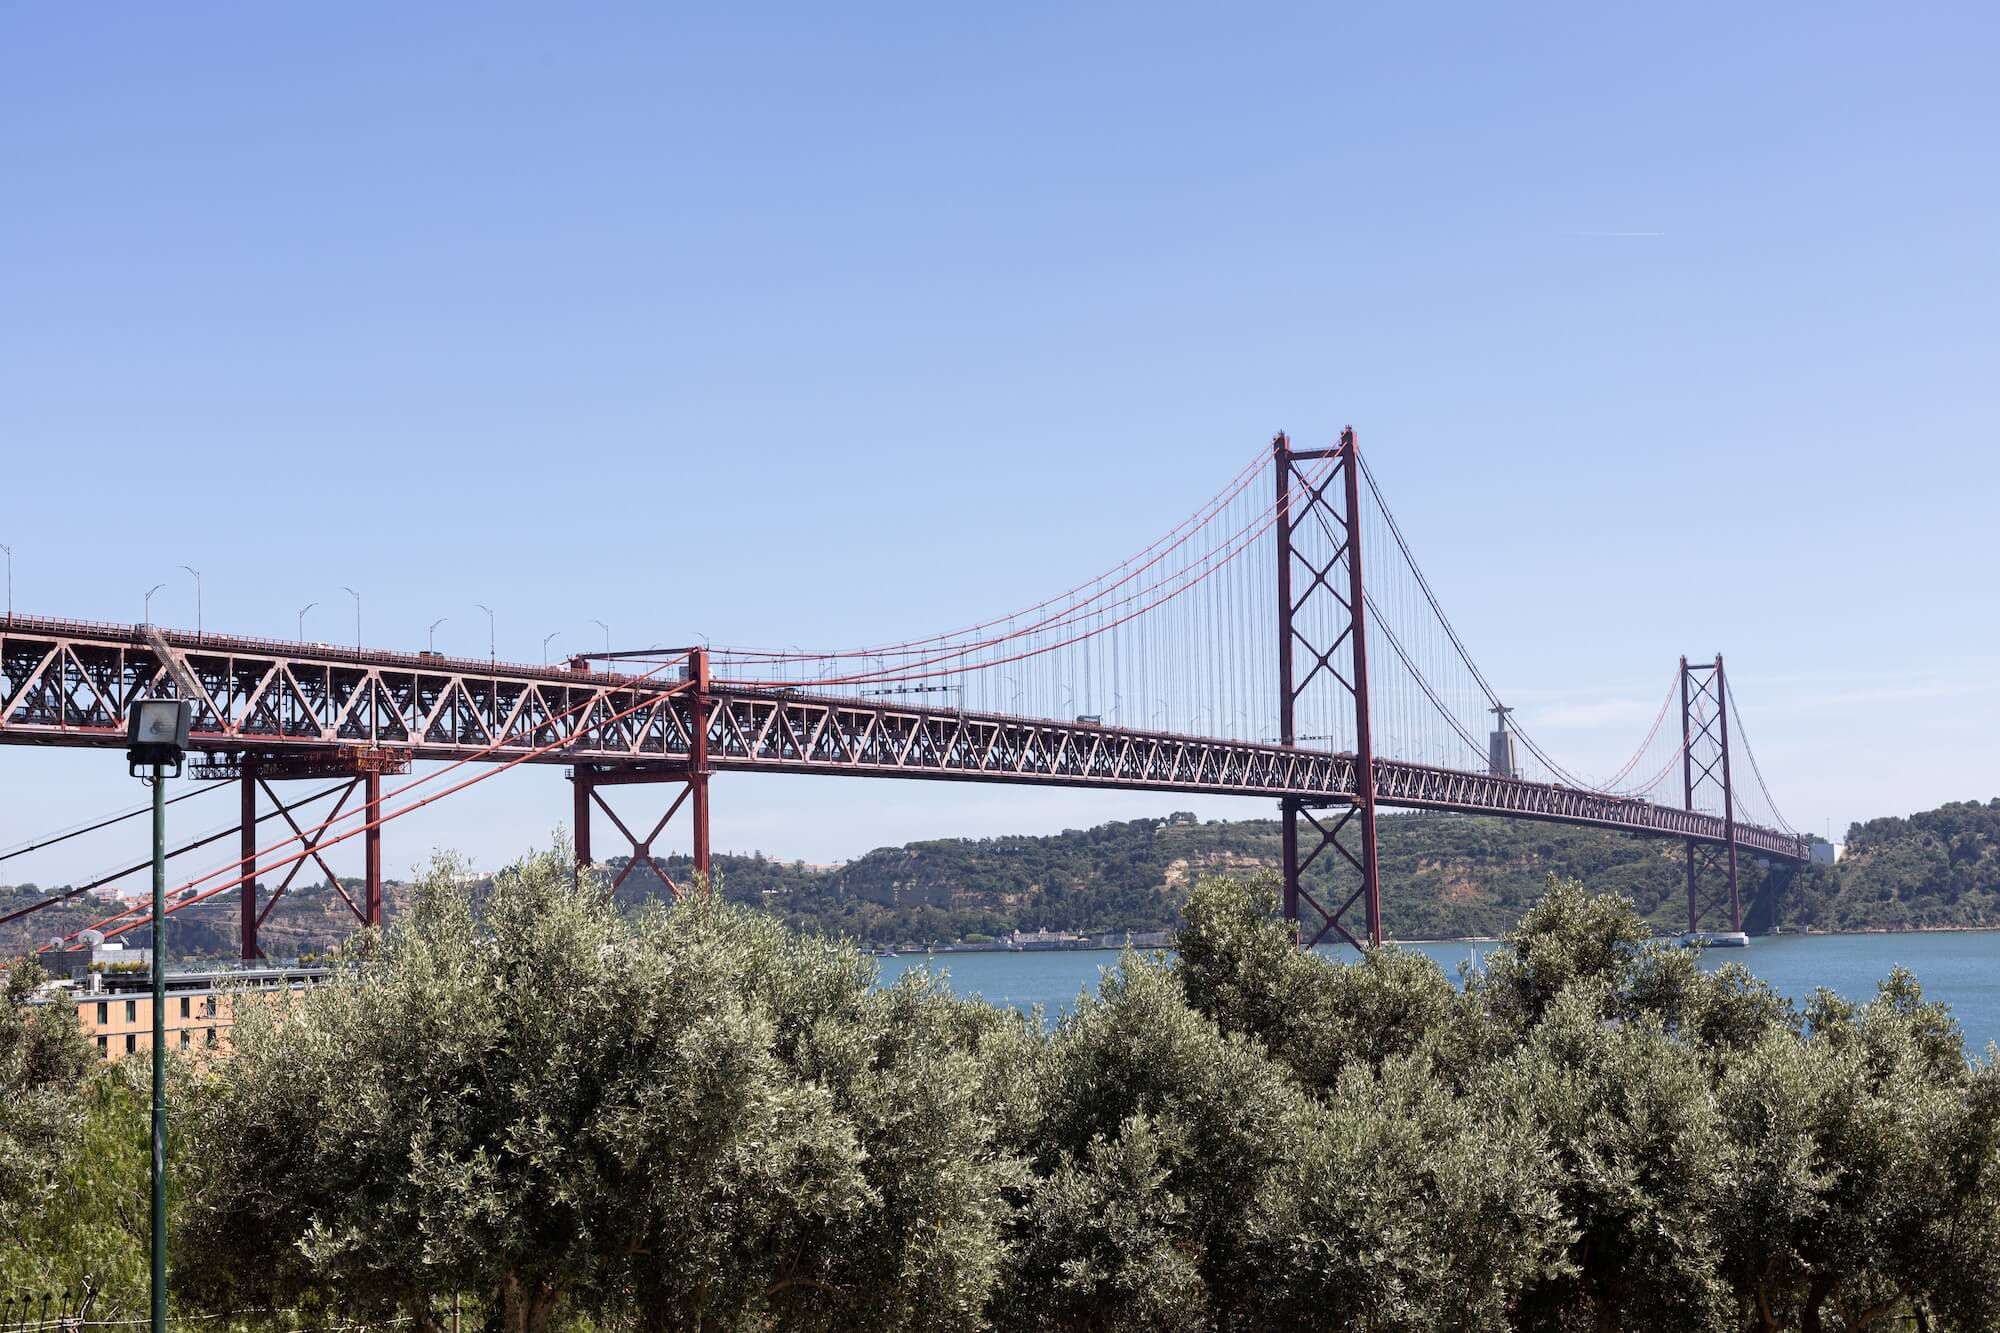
[(1250, 651)]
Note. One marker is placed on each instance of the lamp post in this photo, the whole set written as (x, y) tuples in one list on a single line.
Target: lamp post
[(491, 656), (357, 614), (302, 619), (146, 616), (156, 734), (10, 582), (547, 639), (607, 635), (197, 600), (434, 631)]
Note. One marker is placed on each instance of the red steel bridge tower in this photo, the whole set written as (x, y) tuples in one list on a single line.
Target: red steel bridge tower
[(1711, 870), (1335, 655)]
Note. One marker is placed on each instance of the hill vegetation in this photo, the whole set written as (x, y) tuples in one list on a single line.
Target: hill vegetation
[(1444, 876)]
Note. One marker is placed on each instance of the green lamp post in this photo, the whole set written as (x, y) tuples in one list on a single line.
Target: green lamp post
[(156, 734)]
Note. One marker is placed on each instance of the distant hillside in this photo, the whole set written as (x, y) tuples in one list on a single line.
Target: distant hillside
[(1444, 876), (1927, 871), (307, 920)]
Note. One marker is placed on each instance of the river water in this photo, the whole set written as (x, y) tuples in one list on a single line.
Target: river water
[(1962, 968)]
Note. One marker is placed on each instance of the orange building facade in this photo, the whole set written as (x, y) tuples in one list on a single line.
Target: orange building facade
[(200, 1009)]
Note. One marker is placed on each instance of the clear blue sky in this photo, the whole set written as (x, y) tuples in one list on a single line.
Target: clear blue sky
[(1668, 329)]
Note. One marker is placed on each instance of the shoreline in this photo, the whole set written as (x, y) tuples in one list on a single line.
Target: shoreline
[(1468, 940)]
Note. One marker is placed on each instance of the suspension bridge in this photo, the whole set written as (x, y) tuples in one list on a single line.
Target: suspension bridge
[(1280, 642)]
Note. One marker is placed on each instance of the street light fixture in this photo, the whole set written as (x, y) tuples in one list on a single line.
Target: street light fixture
[(156, 735), (357, 614), (10, 582), (146, 617), (607, 635), (302, 619), (547, 639), (491, 656), (434, 631), (197, 600)]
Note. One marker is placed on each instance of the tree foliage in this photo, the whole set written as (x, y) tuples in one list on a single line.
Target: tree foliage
[(43, 1062), (690, 1117)]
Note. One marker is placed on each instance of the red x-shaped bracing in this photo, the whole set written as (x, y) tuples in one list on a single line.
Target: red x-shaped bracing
[(693, 794)]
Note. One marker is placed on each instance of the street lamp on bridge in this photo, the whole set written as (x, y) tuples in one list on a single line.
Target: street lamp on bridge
[(302, 619), (146, 616), (357, 614), (607, 635), (548, 639), (491, 656), (197, 600), (434, 631)]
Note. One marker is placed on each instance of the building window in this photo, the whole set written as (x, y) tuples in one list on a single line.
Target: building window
[(211, 1036), (208, 1007), (103, 1012), (131, 1043), (185, 1037), (131, 1011), (184, 1006), (103, 1047)]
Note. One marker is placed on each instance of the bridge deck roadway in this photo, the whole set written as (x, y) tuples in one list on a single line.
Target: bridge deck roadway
[(70, 683)]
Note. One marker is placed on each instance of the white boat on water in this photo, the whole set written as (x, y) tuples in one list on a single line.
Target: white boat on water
[(1714, 939)]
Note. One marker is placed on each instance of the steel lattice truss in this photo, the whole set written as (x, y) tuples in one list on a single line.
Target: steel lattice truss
[(774, 733), (64, 683)]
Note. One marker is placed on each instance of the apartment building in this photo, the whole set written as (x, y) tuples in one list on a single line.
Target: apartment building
[(117, 1016)]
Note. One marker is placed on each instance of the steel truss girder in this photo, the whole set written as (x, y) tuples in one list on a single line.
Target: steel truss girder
[(63, 683), (67, 683), (772, 732)]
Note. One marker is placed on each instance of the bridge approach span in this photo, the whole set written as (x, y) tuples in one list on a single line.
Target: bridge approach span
[(297, 708)]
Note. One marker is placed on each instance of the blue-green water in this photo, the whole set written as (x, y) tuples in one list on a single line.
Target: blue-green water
[(1962, 968)]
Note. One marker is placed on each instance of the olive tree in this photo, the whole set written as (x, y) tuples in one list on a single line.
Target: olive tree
[(44, 1060), (1405, 1207), (1241, 966), (1149, 1134), (1865, 1171), (689, 1119), (1638, 1163)]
